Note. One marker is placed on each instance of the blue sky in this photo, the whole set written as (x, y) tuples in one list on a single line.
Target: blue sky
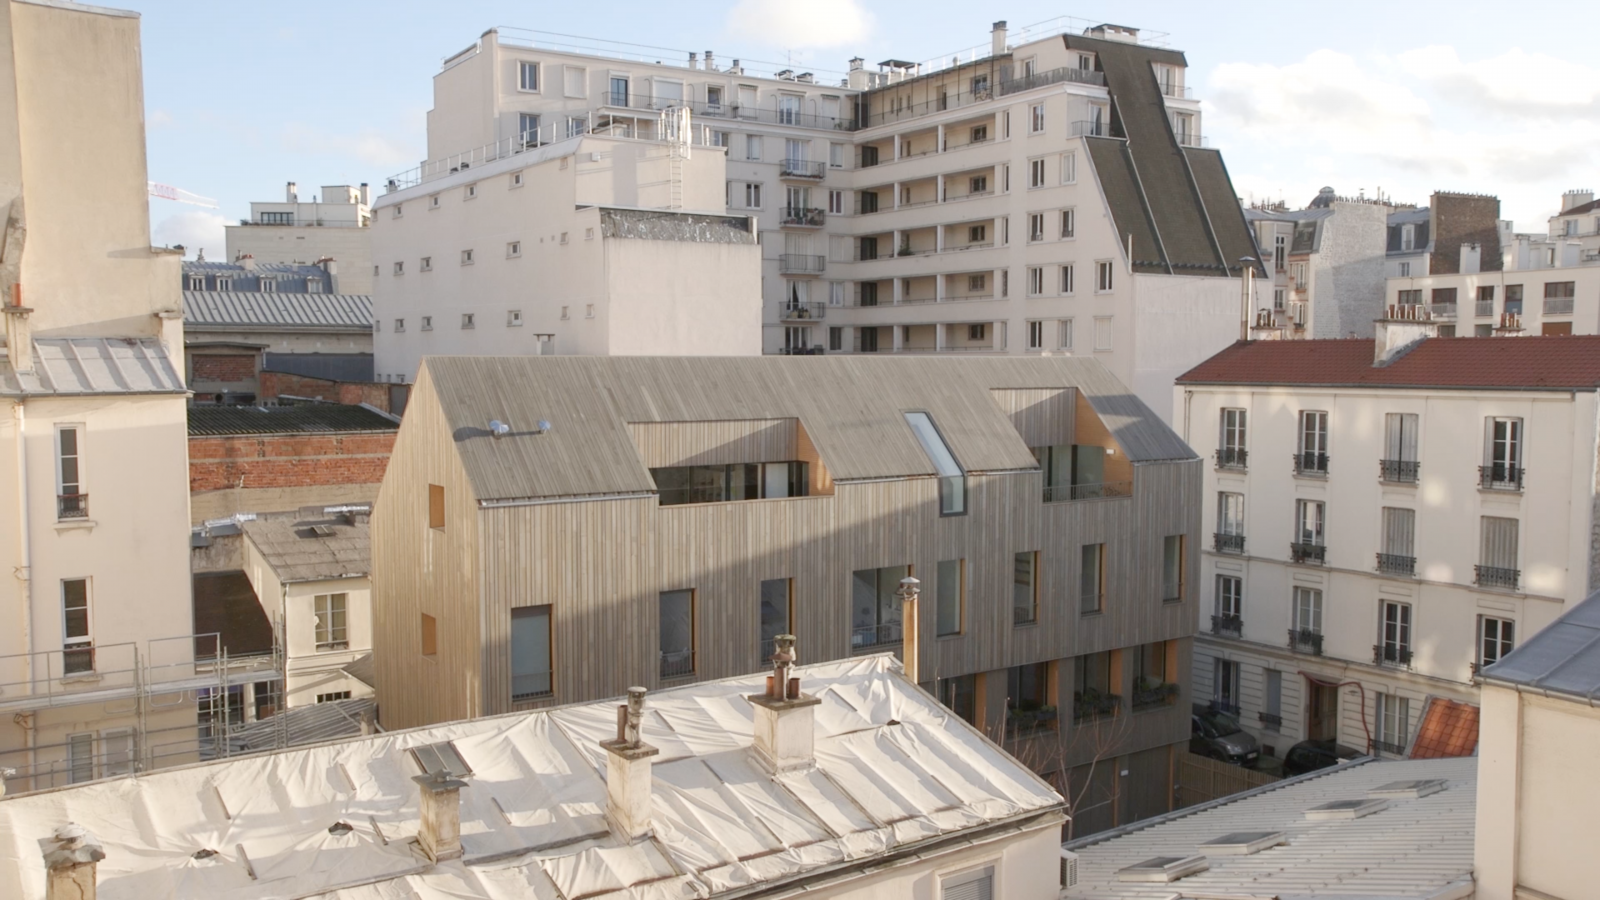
[(1404, 97)]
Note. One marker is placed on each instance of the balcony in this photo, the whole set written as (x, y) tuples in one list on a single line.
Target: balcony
[(1305, 640), (1154, 696), (1092, 704), (1056, 493), (1270, 721), (800, 216), (1442, 310), (1090, 128), (1483, 308), (1394, 564), (1228, 543), (984, 94), (1496, 577), (1314, 465), (1398, 471), (1024, 722), (72, 506), (677, 663), (803, 168), (1308, 554), (1391, 655), (1500, 477), (1227, 626), (876, 638), (1232, 458), (801, 264), (1558, 306), (801, 312)]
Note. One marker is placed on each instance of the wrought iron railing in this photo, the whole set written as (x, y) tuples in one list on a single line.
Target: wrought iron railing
[(801, 264), (1228, 543), (803, 168), (800, 215), (1309, 554), (1227, 625), (792, 311), (1496, 576), (72, 506), (1232, 458), (677, 663), (1305, 640), (1391, 655), (1395, 564), (1271, 721), (1500, 477), (1307, 463), (1399, 471)]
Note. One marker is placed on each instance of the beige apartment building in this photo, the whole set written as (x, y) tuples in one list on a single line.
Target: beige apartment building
[(555, 529), (1325, 267), (332, 226), (1389, 517), (98, 661), (1047, 192), (1536, 300)]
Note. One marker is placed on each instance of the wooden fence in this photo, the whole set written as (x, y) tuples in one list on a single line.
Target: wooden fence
[(1201, 779)]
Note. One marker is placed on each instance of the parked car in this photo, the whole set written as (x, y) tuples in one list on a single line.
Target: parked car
[(1309, 756), (1216, 734)]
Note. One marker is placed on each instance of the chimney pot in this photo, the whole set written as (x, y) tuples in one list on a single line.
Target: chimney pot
[(785, 718), (19, 336), (71, 856), (997, 38)]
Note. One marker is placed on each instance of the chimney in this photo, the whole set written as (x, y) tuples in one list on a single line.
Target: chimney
[(1471, 259), (628, 762), (858, 79), (711, 65), (70, 858), (19, 333), (1572, 199), (694, 60), (440, 834), (366, 194), (1401, 330), (785, 718), (736, 69), (997, 38), (908, 625), (248, 261), (330, 266), (290, 194)]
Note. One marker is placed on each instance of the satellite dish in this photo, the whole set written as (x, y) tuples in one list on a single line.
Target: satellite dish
[(498, 428)]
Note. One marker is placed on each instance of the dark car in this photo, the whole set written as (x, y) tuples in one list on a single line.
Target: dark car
[(1309, 756), (1216, 734)]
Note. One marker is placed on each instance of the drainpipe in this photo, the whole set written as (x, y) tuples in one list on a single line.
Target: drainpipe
[(25, 573)]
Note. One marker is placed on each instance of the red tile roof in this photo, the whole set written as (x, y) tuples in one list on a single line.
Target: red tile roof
[(1563, 362), (1448, 728)]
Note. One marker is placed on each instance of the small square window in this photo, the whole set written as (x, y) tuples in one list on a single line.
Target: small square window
[(399, 210), (472, 191), (564, 314), (588, 312), (399, 268), (399, 325), (433, 201), (514, 318), (467, 320), (427, 264), (516, 179), (588, 234), (513, 249), (563, 237), (466, 257), (427, 323)]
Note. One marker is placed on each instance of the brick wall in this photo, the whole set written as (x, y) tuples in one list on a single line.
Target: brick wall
[(224, 367), (278, 461), (274, 384), (1464, 219)]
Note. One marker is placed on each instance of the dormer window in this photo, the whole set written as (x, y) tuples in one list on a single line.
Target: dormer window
[(269, 285), (952, 480), (224, 283), (197, 282), (679, 485), (313, 285)]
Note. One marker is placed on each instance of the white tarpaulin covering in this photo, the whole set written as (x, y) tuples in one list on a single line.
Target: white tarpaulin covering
[(893, 768)]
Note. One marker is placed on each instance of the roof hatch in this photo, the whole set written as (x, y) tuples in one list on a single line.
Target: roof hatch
[(1244, 843), (441, 757), (1407, 790), (1344, 809), (1163, 869)]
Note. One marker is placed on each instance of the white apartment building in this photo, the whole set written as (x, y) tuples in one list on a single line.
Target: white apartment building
[(1325, 266), (1386, 522), (1048, 195), (333, 225)]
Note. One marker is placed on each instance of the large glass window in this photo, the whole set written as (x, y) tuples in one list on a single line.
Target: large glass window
[(1496, 637), (1399, 462), (1231, 444), (875, 607), (1308, 610), (332, 632), (1025, 588), (952, 480), (1172, 567), (677, 485), (951, 593), (677, 633), (1028, 698), (530, 652), (1395, 633), (1502, 453), (777, 613), (1312, 458), (1092, 578)]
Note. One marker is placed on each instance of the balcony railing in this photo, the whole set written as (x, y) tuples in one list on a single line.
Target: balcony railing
[(1500, 477), (72, 506), (873, 638), (1310, 554), (1398, 471), (1394, 564), (1270, 721), (1094, 705), (1023, 722), (1227, 626), (801, 264), (1153, 696), (1096, 491), (1558, 306), (1442, 310), (1389, 747), (1228, 543), (1232, 458), (794, 312), (803, 216), (1483, 308), (1090, 128), (677, 663), (803, 168), (982, 95), (1496, 576), (1304, 640), (1391, 655), (1311, 464), (530, 685), (1183, 92)]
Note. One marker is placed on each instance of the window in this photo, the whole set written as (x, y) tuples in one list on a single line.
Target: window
[(976, 282), (528, 76), (677, 485), (1005, 231), (469, 320), (1066, 334), (1399, 462), (960, 695), (399, 326), (270, 285), (399, 268), (77, 644), (1103, 276), (1036, 334), (1409, 298), (1513, 299), (721, 139), (1405, 270), (1035, 226), (1036, 119), (835, 338), (1066, 279), (977, 234), (1502, 453), (333, 697), (1172, 565), (575, 81), (117, 751), (588, 310), (1395, 633), (197, 282), (330, 626), (427, 264), (1069, 168), (752, 146), (530, 652), (1069, 223), (1230, 522), (1393, 720), (1308, 516), (436, 506), (1225, 686), (313, 285), (752, 196), (1398, 556), (1005, 280), (1312, 458), (978, 184), (427, 323), (835, 155), (226, 283), (80, 757), (1408, 237), (576, 125), (1028, 706), (836, 202), (1497, 552), (788, 109), (1560, 290), (1496, 637), (977, 332), (1229, 606), (430, 635), (514, 318), (513, 249), (466, 257), (677, 633), (950, 592), (977, 884), (777, 609), (1308, 610), (1005, 124), (565, 313), (1035, 173), (1092, 578), (619, 90), (1025, 588), (1231, 451), (952, 480), (71, 500), (1035, 281), (1102, 333), (433, 201), (399, 210), (875, 603), (472, 192)]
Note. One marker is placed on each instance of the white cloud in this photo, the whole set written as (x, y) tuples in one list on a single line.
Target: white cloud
[(195, 230), (369, 146), (797, 23)]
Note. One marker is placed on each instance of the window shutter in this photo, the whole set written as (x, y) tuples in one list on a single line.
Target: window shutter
[(1499, 548), (977, 885)]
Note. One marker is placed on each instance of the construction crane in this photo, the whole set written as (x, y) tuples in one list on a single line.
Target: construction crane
[(168, 192)]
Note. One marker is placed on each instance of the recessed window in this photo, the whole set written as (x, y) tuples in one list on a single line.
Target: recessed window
[(1092, 578), (436, 506), (563, 237), (588, 234), (1172, 566), (978, 332), (226, 284), (677, 633), (530, 652), (197, 282), (313, 285), (433, 201), (1035, 227), (430, 635), (331, 626), (588, 311), (1104, 276), (1066, 334), (1066, 279), (1035, 280), (528, 76), (1036, 173), (1025, 588), (399, 210), (516, 179), (513, 249), (333, 696), (472, 191), (564, 313), (427, 323), (427, 264), (468, 320), (71, 500), (1069, 223), (1035, 335), (976, 282), (950, 596), (1102, 333), (466, 257), (399, 325), (1036, 119), (514, 318), (1069, 168), (399, 268), (270, 285), (76, 640)]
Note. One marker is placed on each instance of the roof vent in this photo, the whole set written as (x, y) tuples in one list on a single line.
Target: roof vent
[(340, 829), (1407, 790), (1163, 869), (1244, 843), (323, 531), (1344, 810)]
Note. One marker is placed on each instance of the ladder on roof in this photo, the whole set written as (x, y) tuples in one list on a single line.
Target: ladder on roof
[(673, 127)]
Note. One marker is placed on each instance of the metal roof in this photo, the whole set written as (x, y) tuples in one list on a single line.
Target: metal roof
[(312, 418), (1413, 848), (852, 408), (896, 775), (268, 268), (312, 549), (1563, 658), (91, 366), (314, 724), (275, 311)]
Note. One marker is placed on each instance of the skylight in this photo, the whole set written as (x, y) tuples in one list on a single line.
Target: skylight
[(441, 757), (1163, 869), (952, 481)]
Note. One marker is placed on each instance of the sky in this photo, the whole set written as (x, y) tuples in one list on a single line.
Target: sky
[(1402, 98)]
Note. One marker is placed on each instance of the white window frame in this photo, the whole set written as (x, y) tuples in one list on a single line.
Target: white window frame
[(1306, 611), (197, 282), (426, 265), (1104, 338), (1035, 227), (225, 283), (525, 83), (74, 762), (1104, 276), (1500, 641), (1392, 719), (466, 258), (583, 82), (970, 874), (399, 267), (1069, 168), (514, 318), (513, 249), (76, 456), (1035, 281), (471, 191), (1400, 615), (83, 641), (1228, 602), (1036, 120), (1069, 223), (399, 326), (1036, 331), (326, 637), (752, 147), (123, 766), (1068, 279), (1311, 521), (469, 321), (1066, 334), (1036, 173), (427, 323)]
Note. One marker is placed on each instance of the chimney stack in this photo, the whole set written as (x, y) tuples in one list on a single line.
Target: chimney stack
[(997, 38), (1575, 199), (628, 762), (711, 65), (291, 194), (1400, 331), (70, 858), (366, 194), (19, 333), (785, 718), (440, 834)]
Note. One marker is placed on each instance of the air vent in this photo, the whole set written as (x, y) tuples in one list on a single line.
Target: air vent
[(1344, 809), (1069, 869), (1244, 843), (1163, 869), (1407, 790), (323, 531)]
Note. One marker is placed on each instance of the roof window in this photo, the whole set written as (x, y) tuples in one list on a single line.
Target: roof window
[(1163, 869), (442, 757), (952, 480), (1244, 843)]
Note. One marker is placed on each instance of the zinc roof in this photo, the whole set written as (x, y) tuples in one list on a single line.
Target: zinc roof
[(92, 366), (852, 408), (895, 773), (1413, 848), (309, 418), (276, 311), (297, 552), (1564, 657)]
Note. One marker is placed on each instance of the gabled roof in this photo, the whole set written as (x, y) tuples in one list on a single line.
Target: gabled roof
[(311, 418), (896, 775), (91, 366), (312, 549), (1580, 209), (1567, 362), (1564, 658), (276, 311), (852, 408), (1447, 728)]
